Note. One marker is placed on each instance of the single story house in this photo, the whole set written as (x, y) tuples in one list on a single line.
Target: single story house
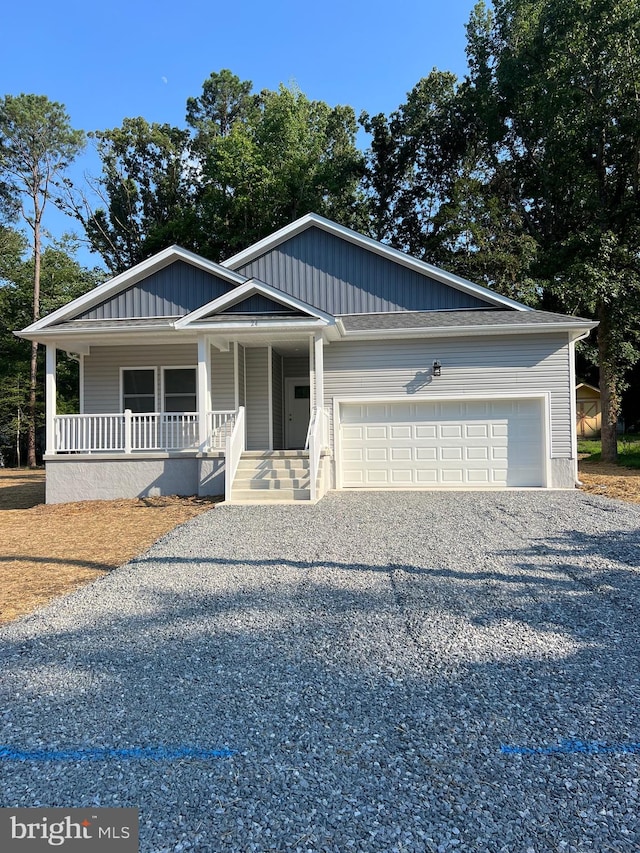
[(315, 359)]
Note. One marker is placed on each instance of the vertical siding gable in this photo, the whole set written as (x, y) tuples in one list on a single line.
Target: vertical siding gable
[(172, 291), (259, 304), (340, 277)]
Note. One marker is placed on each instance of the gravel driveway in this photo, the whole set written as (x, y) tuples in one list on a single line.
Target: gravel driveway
[(366, 658)]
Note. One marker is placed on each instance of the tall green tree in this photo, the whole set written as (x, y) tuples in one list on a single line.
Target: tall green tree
[(526, 174), (557, 84), (37, 143), (145, 192), (435, 188), (61, 280), (247, 163)]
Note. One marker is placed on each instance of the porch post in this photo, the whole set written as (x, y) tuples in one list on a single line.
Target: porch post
[(204, 391), (312, 374), (50, 398), (319, 369)]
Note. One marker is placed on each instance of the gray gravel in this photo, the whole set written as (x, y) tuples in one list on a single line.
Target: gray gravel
[(367, 658)]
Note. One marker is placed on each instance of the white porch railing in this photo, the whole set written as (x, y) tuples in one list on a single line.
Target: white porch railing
[(317, 438), (130, 432), (234, 447), (220, 427)]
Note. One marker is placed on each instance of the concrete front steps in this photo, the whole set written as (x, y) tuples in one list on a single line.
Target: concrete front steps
[(272, 476)]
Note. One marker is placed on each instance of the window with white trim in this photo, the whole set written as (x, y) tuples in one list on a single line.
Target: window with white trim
[(139, 389), (180, 389)]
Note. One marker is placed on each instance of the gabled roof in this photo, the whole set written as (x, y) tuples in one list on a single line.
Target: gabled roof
[(589, 387), (242, 292), (313, 220), (133, 276)]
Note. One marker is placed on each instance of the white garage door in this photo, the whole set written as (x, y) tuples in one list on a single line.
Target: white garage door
[(448, 444)]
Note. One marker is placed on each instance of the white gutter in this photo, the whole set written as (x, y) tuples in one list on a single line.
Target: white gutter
[(460, 331)]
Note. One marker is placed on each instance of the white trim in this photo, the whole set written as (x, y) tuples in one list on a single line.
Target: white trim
[(81, 383), (543, 396), (236, 377), (50, 397), (164, 367), (245, 291), (318, 366), (155, 383), (270, 392), (573, 406), (133, 276), (466, 331), (312, 219)]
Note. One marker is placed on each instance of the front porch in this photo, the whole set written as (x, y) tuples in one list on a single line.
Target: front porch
[(274, 389)]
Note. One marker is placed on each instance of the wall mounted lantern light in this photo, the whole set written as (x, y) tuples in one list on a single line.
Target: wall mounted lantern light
[(437, 368)]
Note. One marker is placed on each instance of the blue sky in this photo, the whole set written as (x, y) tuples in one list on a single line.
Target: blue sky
[(107, 61)]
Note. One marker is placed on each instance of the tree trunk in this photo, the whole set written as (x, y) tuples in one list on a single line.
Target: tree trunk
[(33, 377), (609, 397)]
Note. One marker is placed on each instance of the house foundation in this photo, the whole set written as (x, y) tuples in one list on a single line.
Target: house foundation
[(109, 477)]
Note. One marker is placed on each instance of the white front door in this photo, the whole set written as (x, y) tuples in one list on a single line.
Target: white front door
[(296, 415)]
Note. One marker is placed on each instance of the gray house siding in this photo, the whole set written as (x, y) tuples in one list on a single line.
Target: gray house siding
[(341, 278), (257, 397), (295, 367), (481, 367), (276, 396), (223, 394), (102, 372), (170, 292)]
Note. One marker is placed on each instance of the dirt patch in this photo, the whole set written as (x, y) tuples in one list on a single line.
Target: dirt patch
[(602, 478), (46, 551)]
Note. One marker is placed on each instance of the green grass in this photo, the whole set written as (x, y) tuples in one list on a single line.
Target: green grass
[(628, 450)]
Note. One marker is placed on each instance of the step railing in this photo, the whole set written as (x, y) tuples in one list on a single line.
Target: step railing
[(131, 432), (235, 444), (317, 439)]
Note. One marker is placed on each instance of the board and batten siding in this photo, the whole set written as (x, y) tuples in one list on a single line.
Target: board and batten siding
[(102, 372), (170, 292), (495, 367), (340, 277), (257, 397), (223, 395)]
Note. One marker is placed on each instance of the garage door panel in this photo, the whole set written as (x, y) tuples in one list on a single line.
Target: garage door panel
[(430, 431), (491, 443), (451, 431), (426, 454), (401, 454), (476, 431), (473, 454), (376, 454), (403, 431), (448, 454)]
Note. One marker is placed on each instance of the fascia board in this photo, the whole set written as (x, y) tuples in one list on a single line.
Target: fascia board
[(466, 331), (257, 325), (245, 290), (54, 332), (133, 276), (372, 245)]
